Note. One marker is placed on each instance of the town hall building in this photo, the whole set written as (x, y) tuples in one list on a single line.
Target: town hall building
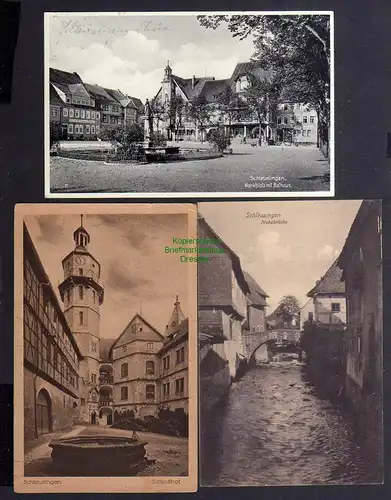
[(288, 122)]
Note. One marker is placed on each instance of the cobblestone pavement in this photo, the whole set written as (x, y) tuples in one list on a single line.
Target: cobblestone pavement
[(276, 430), (293, 169), (170, 453)]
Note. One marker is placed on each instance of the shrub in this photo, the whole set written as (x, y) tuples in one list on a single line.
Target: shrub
[(126, 137), (218, 139), (158, 139)]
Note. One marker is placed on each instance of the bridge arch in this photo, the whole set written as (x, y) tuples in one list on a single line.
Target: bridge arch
[(252, 355)]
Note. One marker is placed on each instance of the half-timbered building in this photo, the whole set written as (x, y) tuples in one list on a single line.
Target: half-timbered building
[(51, 354)]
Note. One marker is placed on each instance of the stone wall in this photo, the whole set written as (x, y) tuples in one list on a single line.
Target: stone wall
[(64, 413), (252, 341), (213, 388), (367, 411)]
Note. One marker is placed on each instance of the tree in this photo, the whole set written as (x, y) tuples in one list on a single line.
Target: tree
[(297, 48), (290, 306), (177, 111), (55, 133), (200, 112), (261, 96), (158, 112), (228, 104), (110, 134), (126, 137), (133, 133)]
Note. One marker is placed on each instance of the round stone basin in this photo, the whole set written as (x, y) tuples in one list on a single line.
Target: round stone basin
[(98, 455)]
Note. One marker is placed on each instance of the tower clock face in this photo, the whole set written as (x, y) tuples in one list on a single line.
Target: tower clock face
[(80, 260)]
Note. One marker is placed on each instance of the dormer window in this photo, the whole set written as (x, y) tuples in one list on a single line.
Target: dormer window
[(242, 83)]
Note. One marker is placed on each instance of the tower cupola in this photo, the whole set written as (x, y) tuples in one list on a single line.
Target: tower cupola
[(167, 71), (81, 236), (176, 319)]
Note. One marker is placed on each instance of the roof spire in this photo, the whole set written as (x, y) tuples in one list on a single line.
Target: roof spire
[(176, 319), (81, 236)]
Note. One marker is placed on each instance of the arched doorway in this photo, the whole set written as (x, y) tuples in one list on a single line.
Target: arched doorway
[(44, 412), (93, 418)]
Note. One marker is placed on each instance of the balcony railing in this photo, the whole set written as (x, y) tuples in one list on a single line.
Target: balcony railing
[(75, 271), (106, 402)]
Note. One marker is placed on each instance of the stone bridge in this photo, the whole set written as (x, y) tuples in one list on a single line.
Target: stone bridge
[(252, 341)]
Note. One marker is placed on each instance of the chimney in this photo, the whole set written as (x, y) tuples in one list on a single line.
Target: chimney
[(193, 82)]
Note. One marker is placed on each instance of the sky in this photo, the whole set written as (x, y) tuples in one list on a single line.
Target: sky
[(134, 268), (285, 259), (130, 52)]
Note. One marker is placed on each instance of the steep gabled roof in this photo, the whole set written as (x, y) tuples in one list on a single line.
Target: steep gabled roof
[(181, 332), (116, 94), (236, 265), (151, 334), (186, 85), (58, 76), (99, 93), (126, 100), (78, 88), (214, 88), (329, 283), (138, 103), (257, 296), (253, 68), (54, 98)]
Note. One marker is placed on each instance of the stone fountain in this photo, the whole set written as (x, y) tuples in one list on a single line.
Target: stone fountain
[(152, 152), (99, 455)]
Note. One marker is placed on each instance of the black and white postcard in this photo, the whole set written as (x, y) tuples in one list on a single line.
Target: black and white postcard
[(291, 343), (189, 104)]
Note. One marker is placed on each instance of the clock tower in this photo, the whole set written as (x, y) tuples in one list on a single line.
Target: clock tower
[(82, 294)]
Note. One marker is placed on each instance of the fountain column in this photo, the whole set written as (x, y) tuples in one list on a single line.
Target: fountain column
[(148, 128)]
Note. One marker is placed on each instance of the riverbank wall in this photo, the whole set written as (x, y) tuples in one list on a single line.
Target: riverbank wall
[(326, 369)]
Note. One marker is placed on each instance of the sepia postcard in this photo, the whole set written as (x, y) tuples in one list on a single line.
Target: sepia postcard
[(290, 321), (105, 349), (185, 104)]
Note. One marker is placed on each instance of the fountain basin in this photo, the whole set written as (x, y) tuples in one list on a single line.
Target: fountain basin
[(97, 455)]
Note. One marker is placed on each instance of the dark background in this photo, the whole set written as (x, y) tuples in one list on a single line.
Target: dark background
[(363, 122)]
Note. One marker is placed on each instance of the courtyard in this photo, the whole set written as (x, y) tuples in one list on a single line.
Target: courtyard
[(170, 453), (248, 169)]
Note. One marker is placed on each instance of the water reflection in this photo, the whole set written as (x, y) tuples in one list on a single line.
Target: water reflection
[(275, 429)]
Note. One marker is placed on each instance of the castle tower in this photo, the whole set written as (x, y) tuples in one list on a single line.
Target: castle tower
[(82, 294), (176, 318)]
